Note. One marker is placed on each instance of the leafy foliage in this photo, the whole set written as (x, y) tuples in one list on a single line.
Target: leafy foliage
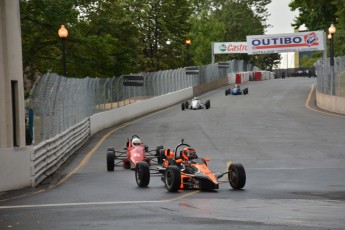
[(319, 15), (113, 37)]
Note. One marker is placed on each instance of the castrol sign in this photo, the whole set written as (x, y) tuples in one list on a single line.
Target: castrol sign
[(229, 47), (279, 43)]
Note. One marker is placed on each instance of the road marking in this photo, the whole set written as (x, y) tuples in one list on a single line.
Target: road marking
[(182, 196), (77, 204), (316, 110), (99, 203)]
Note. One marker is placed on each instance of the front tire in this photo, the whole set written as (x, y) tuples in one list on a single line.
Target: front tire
[(172, 178), (182, 106), (237, 176), (142, 174), (110, 161)]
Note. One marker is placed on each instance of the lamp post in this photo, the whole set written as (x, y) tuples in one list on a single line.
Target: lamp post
[(188, 43), (63, 33), (332, 31)]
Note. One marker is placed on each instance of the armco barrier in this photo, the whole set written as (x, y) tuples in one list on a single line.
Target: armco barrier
[(49, 155)]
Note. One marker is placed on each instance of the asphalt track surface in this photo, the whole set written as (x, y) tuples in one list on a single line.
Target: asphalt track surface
[(293, 154)]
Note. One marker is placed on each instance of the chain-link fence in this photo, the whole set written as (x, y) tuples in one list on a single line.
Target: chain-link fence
[(329, 79), (59, 102)]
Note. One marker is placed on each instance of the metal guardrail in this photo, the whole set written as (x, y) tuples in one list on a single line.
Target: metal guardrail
[(49, 155)]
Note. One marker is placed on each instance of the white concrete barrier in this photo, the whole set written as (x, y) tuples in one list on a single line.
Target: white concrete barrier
[(15, 164), (107, 119)]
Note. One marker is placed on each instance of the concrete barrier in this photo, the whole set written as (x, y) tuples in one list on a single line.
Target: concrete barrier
[(201, 89), (15, 166), (330, 103), (107, 119)]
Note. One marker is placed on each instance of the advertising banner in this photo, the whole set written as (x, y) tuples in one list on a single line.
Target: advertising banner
[(133, 80), (281, 43), (229, 47)]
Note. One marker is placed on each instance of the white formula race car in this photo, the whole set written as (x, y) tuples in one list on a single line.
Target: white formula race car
[(195, 104)]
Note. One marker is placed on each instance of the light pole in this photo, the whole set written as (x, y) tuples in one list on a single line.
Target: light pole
[(188, 43), (63, 33), (332, 31)]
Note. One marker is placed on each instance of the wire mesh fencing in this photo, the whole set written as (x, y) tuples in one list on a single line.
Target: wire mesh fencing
[(59, 102), (329, 78)]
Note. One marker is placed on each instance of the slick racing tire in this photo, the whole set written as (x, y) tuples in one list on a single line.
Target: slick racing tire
[(110, 161), (127, 164), (158, 154), (208, 104), (186, 104), (172, 178), (237, 176), (142, 174), (182, 106), (245, 91), (227, 92)]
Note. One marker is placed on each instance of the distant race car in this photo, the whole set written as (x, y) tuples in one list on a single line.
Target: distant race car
[(135, 152), (195, 104), (183, 169), (236, 90)]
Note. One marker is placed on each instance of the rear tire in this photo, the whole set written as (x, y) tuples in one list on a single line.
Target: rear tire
[(142, 174), (110, 161), (208, 104), (161, 157), (127, 164), (182, 106), (172, 178), (237, 176)]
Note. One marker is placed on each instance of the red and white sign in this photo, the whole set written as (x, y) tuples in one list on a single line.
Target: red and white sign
[(229, 47), (279, 43)]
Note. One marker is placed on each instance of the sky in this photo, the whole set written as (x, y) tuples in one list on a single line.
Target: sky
[(281, 18)]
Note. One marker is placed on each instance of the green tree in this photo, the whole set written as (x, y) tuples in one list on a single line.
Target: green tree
[(40, 21), (319, 15), (160, 21), (223, 20), (314, 14)]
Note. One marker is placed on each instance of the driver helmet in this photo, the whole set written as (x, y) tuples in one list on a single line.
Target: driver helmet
[(195, 98), (136, 141), (189, 154), (236, 85)]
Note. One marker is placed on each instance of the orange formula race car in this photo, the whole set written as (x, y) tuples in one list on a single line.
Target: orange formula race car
[(135, 152), (183, 169)]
